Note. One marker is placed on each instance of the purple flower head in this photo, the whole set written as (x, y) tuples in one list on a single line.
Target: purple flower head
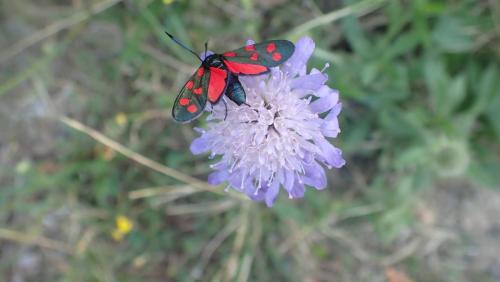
[(279, 140)]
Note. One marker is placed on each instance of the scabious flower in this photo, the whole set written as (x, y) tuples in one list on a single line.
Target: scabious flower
[(279, 140)]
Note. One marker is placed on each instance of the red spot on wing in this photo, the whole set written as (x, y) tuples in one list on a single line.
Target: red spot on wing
[(229, 54), (254, 57), (198, 91), (192, 108), (184, 101), (276, 56), (200, 71), (189, 85), (217, 84), (243, 68), (250, 48), (270, 47)]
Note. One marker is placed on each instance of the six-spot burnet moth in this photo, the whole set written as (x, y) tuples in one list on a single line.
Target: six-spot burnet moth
[(218, 75)]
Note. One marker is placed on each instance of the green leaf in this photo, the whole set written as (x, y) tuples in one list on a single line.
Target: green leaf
[(355, 36), (455, 93), (452, 34), (488, 92), (486, 100), (398, 124), (446, 93), (404, 44)]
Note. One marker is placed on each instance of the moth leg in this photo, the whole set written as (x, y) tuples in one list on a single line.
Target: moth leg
[(225, 106), (211, 109)]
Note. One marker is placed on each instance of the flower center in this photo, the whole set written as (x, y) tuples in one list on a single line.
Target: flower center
[(266, 115)]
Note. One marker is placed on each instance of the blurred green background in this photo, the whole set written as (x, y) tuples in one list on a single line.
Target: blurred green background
[(417, 201)]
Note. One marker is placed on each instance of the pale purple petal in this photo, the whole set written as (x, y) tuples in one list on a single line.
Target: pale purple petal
[(254, 194), (314, 176), (334, 112), (271, 193), (217, 177), (221, 165), (289, 181), (324, 91), (309, 82), (280, 175), (252, 81), (326, 102), (237, 181), (297, 62), (200, 145), (297, 190), (301, 93), (275, 74), (330, 128), (331, 155)]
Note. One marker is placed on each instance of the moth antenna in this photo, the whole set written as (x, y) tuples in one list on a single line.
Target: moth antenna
[(206, 48), (182, 45)]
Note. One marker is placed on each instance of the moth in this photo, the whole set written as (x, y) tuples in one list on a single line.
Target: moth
[(218, 75)]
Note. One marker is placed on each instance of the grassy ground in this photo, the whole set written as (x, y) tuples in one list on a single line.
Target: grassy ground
[(98, 184)]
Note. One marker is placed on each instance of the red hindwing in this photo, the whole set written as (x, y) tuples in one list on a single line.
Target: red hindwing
[(217, 84), (242, 68)]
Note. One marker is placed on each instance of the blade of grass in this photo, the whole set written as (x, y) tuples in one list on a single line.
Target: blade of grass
[(212, 246), (358, 9), (248, 258), (331, 219), (239, 242), (55, 28), (147, 162), (206, 208), (170, 191), (25, 74), (19, 237), (42, 63), (167, 60), (159, 31)]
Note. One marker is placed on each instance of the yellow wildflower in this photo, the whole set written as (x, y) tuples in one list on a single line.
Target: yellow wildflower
[(123, 226), (121, 119)]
